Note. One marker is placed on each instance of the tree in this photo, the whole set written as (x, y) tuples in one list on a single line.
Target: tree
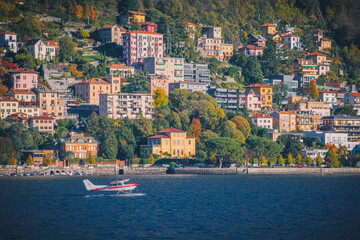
[(343, 156), (144, 153), (93, 125), (125, 151), (213, 159), (259, 147), (346, 109), (92, 159), (79, 11), (290, 144), (309, 160), (228, 129), (289, 159), (280, 160), (279, 92), (151, 159), (92, 12), (263, 160), (137, 83), (298, 158), (12, 160), (270, 61), (318, 160), (67, 51), (69, 155), (226, 149), (196, 129), (332, 159), (160, 98), (242, 124), (29, 160), (314, 91), (84, 34), (109, 147), (47, 159)]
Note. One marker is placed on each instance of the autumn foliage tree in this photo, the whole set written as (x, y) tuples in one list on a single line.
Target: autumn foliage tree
[(92, 12), (309, 160), (47, 160), (298, 158), (196, 129), (29, 160), (92, 160), (151, 159), (160, 98), (79, 11), (318, 160), (289, 159), (12, 160), (314, 91), (242, 124), (281, 159)]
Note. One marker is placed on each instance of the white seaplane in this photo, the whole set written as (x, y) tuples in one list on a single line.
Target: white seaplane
[(122, 186)]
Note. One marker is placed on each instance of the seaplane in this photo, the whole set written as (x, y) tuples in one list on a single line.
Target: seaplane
[(122, 186)]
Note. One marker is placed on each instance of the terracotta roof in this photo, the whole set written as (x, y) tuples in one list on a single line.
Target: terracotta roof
[(190, 137), (314, 54), (94, 81), (7, 32), (258, 85), (22, 91), (137, 12), (168, 130), (159, 136), (118, 66), (319, 30), (28, 102), (355, 94), (325, 39), (51, 43), (267, 25), (144, 32), (8, 98), (43, 117), (286, 112), (24, 70), (148, 23), (253, 47), (290, 35), (260, 115), (329, 92)]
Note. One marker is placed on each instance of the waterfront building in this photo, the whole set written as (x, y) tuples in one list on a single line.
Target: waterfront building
[(8, 105), (197, 73), (337, 138), (171, 142), (191, 86), (262, 120), (9, 39), (111, 34), (139, 45), (24, 79), (313, 153), (82, 146), (171, 68), (44, 123), (126, 105)]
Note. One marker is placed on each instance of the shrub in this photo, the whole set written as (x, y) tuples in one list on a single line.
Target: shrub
[(173, 165)]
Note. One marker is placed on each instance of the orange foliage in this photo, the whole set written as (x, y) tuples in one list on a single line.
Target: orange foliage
[(92, 12), (79, 11), (196, 129)]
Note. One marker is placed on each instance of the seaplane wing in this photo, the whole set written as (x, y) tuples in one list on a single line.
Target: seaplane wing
[(119, 186)]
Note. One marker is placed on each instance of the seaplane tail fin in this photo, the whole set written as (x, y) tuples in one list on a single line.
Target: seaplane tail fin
[(89, 186)]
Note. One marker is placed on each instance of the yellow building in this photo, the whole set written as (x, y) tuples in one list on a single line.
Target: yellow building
[(268, 29), (8, 105), (136, 16), (285, 120), (227, 49), (264, 91), (172, 142)]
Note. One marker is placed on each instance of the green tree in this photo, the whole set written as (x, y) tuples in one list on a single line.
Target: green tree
[(144, 153), (93, 126), (67, 50), (346, 109), (318, 160), (109, 147), (298, 158), (226, 149), (290, 144), (160, 98), (332, 159), (279, 92), (270, 61), (228, 129), (280, 160), (137, 84), (126, 151), (289, 159), (259, 147)]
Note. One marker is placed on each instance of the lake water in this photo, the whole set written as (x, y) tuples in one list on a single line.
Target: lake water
[(183, 207)]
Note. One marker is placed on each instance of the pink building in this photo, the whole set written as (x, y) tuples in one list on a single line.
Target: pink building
[(252, 100), (23, 78), (139, 45), (252, 50), (44, 123), (159, 82), (148, 27)]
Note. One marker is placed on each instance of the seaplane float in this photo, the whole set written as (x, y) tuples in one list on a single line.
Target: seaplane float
[(122, 186)]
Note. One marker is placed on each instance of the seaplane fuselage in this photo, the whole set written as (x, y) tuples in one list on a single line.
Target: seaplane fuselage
[(118, 186)]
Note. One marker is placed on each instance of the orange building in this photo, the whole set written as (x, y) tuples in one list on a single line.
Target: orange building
[(159, 82), (81, 146), (268, 29)]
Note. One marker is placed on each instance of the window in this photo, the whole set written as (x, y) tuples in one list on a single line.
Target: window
[(189, 142)]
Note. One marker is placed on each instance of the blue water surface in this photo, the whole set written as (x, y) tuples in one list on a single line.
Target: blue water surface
[(182, 207)]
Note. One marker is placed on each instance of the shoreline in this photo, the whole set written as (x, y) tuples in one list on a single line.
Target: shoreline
[(188, 171)]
